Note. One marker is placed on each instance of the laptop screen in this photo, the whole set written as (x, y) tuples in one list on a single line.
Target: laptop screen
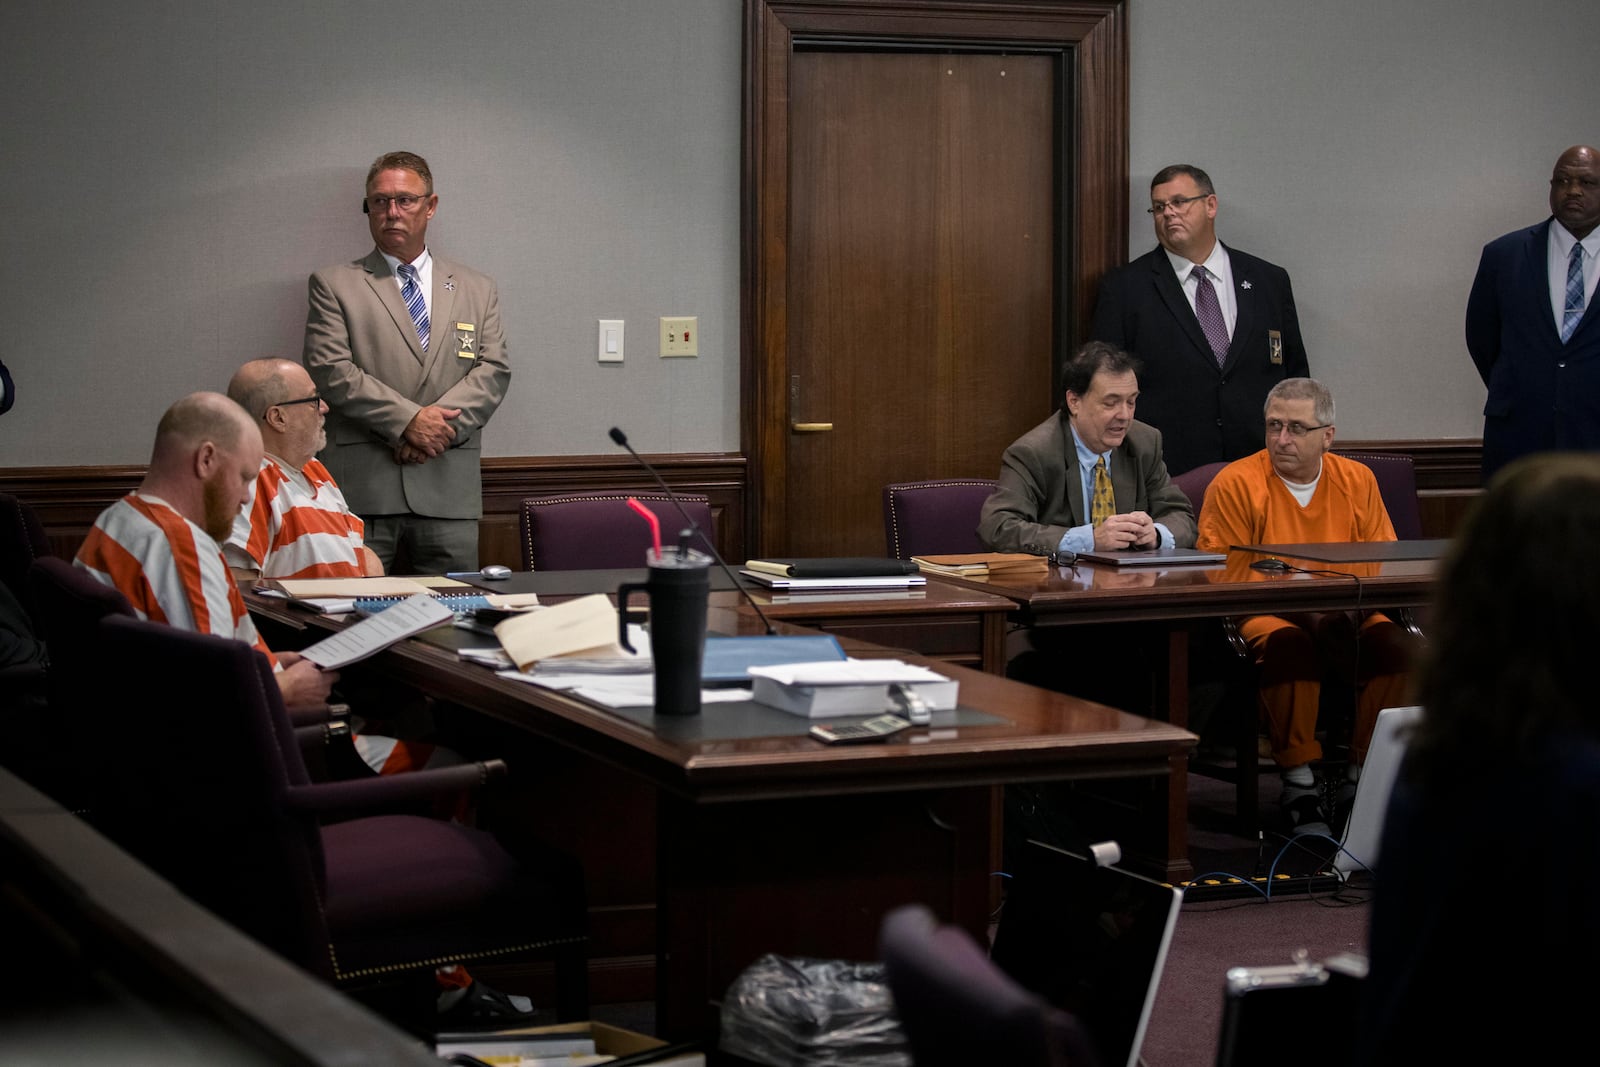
[(1091, 940), (1384, 756)]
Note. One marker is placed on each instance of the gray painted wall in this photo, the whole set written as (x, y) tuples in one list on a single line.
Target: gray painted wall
[(171, 171)]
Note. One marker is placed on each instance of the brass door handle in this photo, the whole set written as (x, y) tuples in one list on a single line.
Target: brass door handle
[(811, 427)]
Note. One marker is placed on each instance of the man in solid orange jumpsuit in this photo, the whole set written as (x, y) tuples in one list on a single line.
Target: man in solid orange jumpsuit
[(1295, 491)]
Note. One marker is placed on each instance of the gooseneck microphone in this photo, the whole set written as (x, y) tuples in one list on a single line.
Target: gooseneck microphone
[(622, 439)]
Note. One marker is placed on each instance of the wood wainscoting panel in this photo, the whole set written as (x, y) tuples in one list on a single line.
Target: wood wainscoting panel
[(69, 499)]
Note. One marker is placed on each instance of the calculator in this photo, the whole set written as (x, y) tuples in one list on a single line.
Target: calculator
[(874, 729)]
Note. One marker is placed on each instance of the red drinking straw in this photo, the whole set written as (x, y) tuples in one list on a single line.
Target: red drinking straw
[(650, 517)]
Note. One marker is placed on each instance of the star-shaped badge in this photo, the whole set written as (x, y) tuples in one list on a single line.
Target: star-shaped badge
[(450, 286), (1242, 285)]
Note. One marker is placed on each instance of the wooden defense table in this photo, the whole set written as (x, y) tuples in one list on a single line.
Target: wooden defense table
[(1175, 597), (768, 841)]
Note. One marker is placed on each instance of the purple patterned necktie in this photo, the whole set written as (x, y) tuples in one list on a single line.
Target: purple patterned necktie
[(411, 293), (1209, 312)]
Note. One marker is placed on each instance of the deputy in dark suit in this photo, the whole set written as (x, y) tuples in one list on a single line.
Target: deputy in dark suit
[(1044, 501), (1532, 328), (1206, 376), (405, 416)]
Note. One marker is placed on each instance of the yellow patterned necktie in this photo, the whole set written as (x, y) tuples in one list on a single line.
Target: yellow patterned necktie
[(1104, 504)]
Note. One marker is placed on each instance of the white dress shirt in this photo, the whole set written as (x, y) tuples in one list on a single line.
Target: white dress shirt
[(1220, 268)]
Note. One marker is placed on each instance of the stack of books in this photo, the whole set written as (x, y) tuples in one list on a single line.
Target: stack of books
[(985, 565), (849, 687), (833, 573)]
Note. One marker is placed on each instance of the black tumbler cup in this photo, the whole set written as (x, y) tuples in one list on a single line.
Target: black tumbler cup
[(679, 585)]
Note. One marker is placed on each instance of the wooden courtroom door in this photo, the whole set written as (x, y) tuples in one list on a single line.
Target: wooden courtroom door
[(922, 278), (931, 192)]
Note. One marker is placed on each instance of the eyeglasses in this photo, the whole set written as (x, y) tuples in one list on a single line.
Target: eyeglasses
[(314, 398), (1296, 429), (406, 202), (1053, 556), (1177, 203)]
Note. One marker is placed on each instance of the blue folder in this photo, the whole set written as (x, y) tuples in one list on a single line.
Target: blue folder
[(728, 658)]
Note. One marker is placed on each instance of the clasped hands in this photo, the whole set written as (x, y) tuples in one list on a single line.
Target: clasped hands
[(1133, 530), (427, 435)]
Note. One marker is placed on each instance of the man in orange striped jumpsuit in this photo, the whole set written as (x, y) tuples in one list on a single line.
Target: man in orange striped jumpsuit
[(295, 523), (157, 546), (1295, 491)]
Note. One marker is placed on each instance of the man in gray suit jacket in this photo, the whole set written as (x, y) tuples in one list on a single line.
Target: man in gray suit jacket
[(406, 348), (1045, 500)]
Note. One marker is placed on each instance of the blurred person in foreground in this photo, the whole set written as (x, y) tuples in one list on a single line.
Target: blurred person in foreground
[(1502, 768)]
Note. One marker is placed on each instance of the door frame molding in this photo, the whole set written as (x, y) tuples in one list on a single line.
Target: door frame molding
[(1091, 34)]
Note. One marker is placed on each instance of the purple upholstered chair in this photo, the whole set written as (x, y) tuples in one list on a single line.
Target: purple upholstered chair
[(211, 793), (934, 518), (1194, 483), (22, 541), (957, 1007), (598, 531), (27, 742), (68, 604), (1397, 484)]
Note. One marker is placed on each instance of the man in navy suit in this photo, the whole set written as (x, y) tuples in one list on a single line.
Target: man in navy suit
[(1215, 328), (1531, 325)]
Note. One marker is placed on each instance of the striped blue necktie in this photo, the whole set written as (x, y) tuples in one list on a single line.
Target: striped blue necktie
[(1574, 301), (411, 293)]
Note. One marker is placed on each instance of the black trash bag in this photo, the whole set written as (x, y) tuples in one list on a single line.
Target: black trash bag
[(813, 1013)]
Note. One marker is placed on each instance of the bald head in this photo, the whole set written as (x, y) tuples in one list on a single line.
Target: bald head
[(1575, 190), (195, 420), (279, 395), (261, 383), (206, 456)]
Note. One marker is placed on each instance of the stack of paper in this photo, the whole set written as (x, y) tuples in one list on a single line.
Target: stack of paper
[(581, 633), (849, 687), (833, 567), (338, 596)]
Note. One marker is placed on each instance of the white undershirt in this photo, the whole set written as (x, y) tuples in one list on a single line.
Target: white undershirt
[(1302, 493)]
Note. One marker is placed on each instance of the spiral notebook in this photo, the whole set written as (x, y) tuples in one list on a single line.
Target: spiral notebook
[(456, 602)]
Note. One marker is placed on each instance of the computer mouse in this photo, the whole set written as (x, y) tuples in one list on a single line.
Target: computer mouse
[(1277, 566), (494, 572)]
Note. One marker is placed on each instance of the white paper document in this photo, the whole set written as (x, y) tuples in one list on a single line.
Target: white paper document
[(848, 672), (377, 632), (619, 690)]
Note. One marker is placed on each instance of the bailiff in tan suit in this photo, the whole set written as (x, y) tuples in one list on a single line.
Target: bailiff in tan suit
[(404, 423)]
